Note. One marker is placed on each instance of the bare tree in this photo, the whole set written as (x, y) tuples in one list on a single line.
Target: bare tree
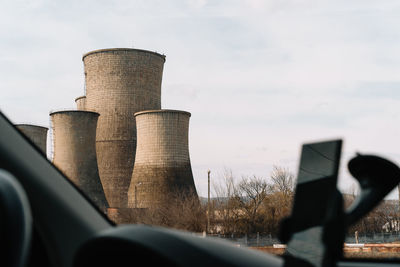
[(238, 204), (248, 205), (278, 204), (252, 204), (179, 210), (182, 211), (225, 211), (250, 194), (225, 188), (282, 180)]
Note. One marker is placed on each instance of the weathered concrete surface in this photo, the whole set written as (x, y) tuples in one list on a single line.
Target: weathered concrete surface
[(74, 137), (119, 83), (80, 102), (37, 134), (125, 215), (162, 166)]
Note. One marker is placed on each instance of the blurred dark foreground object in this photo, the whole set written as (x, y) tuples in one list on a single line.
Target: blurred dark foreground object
[(314, 233)]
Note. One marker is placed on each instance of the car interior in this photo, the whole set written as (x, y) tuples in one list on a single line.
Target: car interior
[(48, 221)]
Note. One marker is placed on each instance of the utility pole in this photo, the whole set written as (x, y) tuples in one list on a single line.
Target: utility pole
[(208, 203)]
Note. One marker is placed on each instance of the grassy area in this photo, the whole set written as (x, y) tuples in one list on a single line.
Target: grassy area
[(372, 255), (347, 253)]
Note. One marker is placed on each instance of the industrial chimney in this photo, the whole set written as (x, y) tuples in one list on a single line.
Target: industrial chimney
[(37, 134), (74, 137), (162, 165), (119, 83)]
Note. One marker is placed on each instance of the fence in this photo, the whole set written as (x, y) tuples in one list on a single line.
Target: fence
[(250, 240), (259, 240), (375, 238)]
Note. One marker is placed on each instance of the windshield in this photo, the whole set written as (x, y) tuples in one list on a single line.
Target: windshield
[(192, 114)]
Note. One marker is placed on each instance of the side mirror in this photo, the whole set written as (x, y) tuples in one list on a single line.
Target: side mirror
[(377, 177)]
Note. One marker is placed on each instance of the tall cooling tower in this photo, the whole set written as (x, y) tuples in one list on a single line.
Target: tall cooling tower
[(74, 137), (80, 103), (119, 83), (37, 134), (162, 165)]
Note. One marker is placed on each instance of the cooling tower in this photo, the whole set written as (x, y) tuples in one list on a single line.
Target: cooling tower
[(119, 83), (162, 165), (80, 103), (74, 144), (37, 134)]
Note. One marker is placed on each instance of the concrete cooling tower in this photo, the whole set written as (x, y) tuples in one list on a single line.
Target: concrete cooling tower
[(119, 83), (80, 103), (37, 134), (74, 144), (162, 165)]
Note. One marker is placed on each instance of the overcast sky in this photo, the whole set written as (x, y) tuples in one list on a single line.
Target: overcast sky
[(259, 77)]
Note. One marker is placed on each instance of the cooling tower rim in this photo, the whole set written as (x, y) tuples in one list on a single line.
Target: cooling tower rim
[(162, 111), (31, 125), (80, 97), (73, 111), (105, 50)]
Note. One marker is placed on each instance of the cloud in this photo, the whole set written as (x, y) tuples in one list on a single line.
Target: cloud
[(254, 74)]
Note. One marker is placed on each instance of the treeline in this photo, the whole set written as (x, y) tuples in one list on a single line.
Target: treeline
[(384, 218), (249, 205), (252, 204)]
